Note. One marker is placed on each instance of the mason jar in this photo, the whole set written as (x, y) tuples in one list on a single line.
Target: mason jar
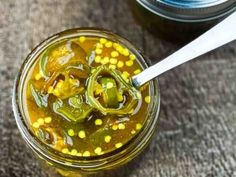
[(181, 20), (71, 165)]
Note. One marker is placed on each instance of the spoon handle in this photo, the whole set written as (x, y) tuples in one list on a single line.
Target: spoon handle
[(221, 34)]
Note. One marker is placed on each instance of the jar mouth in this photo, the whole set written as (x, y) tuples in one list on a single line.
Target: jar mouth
[(109, 160), (189, 11)]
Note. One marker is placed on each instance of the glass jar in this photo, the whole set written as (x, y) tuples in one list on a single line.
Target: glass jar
[(181, 20), (73, 166)]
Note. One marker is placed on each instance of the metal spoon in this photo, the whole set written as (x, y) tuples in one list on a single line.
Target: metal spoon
[(219, 35)]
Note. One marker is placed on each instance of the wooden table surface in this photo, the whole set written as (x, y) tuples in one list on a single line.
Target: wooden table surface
[(197, 126)]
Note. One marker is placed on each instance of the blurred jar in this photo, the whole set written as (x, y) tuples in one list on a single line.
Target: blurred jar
[(181, 20)]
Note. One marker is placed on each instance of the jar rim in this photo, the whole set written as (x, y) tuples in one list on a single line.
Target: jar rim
[(189, 11), (88, 164)]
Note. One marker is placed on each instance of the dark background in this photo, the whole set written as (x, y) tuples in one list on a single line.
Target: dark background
[(197, 128)]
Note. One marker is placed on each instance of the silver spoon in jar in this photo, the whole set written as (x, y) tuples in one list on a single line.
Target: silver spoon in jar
[(219, 35)]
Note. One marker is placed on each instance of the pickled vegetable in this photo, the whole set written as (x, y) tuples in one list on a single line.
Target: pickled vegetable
[(79, 97)]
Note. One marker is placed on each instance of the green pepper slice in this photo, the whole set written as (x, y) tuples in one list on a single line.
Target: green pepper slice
[(65, 53), (74, 110), (40, 99), (123, 88), (42, 65)]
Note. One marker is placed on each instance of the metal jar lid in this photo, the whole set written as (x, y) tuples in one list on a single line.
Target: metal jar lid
[(189, 10)]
